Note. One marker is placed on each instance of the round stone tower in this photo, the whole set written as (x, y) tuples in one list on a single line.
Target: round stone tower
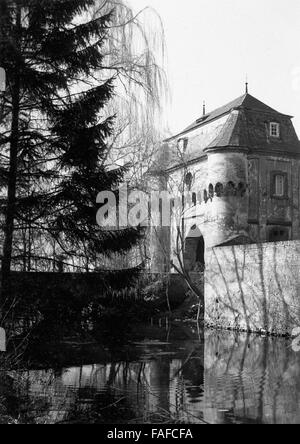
[(226, 196)]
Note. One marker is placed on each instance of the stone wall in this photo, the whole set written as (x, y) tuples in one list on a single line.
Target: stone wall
[(254, 287)]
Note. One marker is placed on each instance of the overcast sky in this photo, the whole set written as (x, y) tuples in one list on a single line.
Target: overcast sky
[(213, 44)]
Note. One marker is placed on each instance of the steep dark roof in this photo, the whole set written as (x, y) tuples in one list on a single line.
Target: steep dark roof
[(242, 123), (234, 133), (246, 101)]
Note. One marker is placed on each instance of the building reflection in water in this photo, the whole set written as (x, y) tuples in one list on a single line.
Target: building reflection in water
[(250, 379), (223, 378)]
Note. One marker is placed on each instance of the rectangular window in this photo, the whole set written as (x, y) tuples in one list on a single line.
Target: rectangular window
[(274, 130), (279, 187), (279, 234)]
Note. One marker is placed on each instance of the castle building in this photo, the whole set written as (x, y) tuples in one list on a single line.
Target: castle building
[(241, 166)]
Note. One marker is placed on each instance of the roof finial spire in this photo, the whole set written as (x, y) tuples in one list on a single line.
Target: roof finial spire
[(204, 108), (247, 84)]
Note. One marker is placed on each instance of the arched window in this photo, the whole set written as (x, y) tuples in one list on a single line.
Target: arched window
[(189, 181), (219, 189), (230, 189), (242, 189), (211, 191), (182, 144), (205, 196), (161, 212), (194, 251)]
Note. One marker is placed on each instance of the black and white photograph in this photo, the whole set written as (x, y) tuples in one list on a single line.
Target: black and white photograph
[(149, 215)]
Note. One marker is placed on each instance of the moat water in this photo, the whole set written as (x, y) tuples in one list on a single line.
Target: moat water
[(211, 377)]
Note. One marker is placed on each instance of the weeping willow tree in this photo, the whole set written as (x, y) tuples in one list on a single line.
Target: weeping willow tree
[(135, 54)]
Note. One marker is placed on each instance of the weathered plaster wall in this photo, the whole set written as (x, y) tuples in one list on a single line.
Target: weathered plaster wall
[(253, 214), (191, 213), (265, 211), (227, 167), (198, 139), (226, 215), (254, 287)]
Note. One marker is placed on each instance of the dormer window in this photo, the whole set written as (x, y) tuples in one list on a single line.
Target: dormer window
[(275, 130), (183, 144)]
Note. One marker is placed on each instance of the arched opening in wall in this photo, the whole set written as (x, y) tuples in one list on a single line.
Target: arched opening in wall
[(230, 189), (188, 181), (279, 234), (242, 189), (194, 251), (219, 190)]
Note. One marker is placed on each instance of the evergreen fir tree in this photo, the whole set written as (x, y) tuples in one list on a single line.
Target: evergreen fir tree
[(52, 137)]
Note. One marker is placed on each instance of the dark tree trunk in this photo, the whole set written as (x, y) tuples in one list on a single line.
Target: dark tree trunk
[(12, 178)]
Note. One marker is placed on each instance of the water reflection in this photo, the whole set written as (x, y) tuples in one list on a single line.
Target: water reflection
[(251, 380), (221, 378)]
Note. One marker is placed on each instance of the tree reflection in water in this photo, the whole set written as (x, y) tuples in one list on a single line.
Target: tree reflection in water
[(221, 378)]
